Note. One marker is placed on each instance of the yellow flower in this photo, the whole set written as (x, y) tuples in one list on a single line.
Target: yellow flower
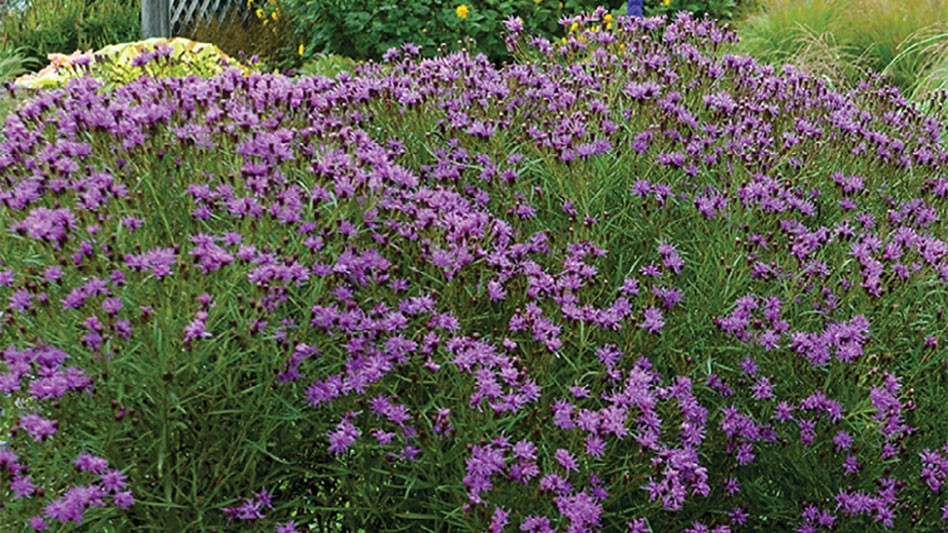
[(274, 15), (609, 18), (666, 2), (249, 3), (301, 49), (537, 2), (573, 27), (424, 30), (462, 11), (259, 13)]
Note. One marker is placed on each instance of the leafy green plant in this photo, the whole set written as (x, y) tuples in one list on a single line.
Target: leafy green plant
[(327, 65), (120, 64), (13, 64)]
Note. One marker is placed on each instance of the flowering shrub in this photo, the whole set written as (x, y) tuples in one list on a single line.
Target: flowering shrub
[(627, 283), (118, 64)]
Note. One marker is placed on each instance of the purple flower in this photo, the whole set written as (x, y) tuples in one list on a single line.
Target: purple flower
[(123, 500), (581, 509), (38, 427), (90, 463), (639, 525), (38, 524), (851, 465), (51, 225), (289, 527), (642, 91), (344, 436), (566, 460), (498, 520), (653, 320), (842, 440), (536, 524), (22, 487), (158, 261), (514, 24), (762, 389), (113, 480), (196, 328)]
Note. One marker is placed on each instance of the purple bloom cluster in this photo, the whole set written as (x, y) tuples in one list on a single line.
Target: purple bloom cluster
[(252, 509), (72, 505)]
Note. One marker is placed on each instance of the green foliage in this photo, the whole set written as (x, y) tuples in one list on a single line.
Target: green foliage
[(846, 37), (63, 26), (365, 29), (719, 9)]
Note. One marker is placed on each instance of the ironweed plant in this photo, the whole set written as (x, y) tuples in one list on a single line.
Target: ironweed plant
[(626, 283)]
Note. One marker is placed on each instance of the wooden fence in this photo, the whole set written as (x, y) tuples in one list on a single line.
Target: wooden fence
[(165, 18)]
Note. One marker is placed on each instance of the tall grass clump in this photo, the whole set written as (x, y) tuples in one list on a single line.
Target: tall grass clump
[(628, 282), (42, 27), (847, 37)]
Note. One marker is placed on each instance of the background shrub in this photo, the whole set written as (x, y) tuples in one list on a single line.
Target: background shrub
[(364, 29), (63, 26), (265, 31)]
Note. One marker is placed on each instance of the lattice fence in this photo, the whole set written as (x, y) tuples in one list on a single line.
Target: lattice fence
[(185, 12)]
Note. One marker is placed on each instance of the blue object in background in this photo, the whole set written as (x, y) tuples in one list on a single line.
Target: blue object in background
[(634, 8)]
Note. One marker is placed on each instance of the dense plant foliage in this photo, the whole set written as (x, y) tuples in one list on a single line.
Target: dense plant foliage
[(628, 282), (43, 27), (119, 64), (365, 29)]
